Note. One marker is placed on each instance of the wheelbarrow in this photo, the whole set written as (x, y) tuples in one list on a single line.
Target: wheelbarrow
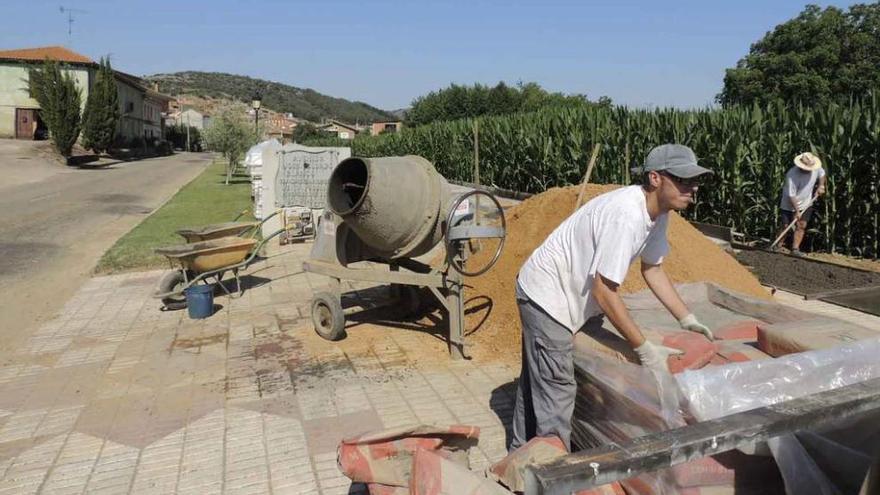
[(225, 229), (204, 261)]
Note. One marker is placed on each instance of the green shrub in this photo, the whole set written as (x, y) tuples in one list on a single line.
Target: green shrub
[(60, 101), (102, 111)]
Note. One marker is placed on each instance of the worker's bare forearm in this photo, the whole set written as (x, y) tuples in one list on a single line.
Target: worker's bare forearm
[(662, 287), (606, 295)]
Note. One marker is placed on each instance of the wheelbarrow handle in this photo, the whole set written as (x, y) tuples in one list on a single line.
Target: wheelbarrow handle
[(256, 228), (243, 213), (270, 236), (260, 245)]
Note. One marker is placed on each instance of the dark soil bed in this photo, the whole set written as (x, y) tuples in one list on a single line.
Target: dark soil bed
[(803, 276)]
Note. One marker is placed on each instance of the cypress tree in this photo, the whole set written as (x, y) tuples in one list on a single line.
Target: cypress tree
[(102, 110), (60, 101)]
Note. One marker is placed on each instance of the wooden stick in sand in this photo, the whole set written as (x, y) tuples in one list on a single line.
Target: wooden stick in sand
[(595, 155)]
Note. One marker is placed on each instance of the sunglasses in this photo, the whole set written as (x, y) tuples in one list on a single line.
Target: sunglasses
[(690, 182)]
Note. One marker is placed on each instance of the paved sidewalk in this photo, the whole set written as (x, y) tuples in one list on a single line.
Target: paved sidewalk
[(115, 396)]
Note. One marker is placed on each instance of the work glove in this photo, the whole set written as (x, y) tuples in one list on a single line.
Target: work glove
[(654, 356), (691, 323)]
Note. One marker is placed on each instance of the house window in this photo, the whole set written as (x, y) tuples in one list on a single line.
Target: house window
[(129, 106)]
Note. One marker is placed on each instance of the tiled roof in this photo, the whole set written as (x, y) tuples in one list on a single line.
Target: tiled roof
[(51, 52)]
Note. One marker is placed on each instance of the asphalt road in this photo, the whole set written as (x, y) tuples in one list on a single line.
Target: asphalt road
[(57, 221)]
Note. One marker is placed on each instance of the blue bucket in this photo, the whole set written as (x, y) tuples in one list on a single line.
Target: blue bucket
[(200, 301)]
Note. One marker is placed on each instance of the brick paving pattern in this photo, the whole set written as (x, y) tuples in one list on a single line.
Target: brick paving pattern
[(115, 396)]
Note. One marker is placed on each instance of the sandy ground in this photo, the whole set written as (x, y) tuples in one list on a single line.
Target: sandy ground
[(59, 220)]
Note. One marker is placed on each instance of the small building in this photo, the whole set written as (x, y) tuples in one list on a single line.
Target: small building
[(386, 126), (191, 118), (279, 126), (140, 106), (19, 111), (342, 131)]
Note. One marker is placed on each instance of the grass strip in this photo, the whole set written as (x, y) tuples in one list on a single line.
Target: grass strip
[(205, 200)]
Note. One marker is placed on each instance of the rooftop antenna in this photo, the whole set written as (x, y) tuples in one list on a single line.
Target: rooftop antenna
[(70, 13)]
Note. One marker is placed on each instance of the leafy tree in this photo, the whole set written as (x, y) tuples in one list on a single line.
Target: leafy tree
[(59, 98), (819, 55), (306, 131), (458, 102), (176, 135), (102, 110), (231, 134)]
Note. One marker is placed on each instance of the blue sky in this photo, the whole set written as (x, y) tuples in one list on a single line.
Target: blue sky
[(386, 53)]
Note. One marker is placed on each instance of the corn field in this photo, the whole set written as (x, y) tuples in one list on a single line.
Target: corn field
[(749, 148)]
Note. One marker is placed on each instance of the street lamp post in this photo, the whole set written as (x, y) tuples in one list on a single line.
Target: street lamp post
[(256, 103)]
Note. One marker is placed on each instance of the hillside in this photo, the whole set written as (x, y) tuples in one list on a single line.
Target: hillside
[(302, 103)]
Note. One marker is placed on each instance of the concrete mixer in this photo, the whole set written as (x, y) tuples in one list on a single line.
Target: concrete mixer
[(387, 211)]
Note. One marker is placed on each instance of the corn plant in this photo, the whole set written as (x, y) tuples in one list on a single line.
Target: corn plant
[(749, 148)]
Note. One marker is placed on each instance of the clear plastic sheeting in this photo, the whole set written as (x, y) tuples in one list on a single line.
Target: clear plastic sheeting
[(722, 390), (618, 401), (804, 459), (253, 159)]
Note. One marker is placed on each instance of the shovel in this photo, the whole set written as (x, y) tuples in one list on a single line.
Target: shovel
[(784, 232)]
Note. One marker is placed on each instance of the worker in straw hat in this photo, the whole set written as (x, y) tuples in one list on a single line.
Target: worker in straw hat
[(797, 196), (571, 281)]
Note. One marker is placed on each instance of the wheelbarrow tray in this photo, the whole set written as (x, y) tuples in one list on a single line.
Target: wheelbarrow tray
[(210, 255), (216, 231)]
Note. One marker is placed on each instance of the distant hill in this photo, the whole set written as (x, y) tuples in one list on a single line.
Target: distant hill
[(302, 103), (400, 113)]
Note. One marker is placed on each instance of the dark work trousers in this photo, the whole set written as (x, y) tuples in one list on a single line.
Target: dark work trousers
[(546, 391)]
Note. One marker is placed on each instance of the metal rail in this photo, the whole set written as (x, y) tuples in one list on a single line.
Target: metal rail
[(610, 463)]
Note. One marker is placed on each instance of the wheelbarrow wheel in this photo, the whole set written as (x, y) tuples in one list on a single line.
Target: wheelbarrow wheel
[(327, 316), (172, 281)]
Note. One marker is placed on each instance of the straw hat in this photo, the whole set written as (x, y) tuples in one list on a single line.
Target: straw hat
[(808, 161)]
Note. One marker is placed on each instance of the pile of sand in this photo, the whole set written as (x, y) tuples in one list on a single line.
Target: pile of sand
[(491, 312)]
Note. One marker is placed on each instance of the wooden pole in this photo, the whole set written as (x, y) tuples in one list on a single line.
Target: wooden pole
[(477, 169), (784, 232), (593, 158)]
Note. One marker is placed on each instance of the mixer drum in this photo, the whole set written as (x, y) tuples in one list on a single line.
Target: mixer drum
[(396, 205)]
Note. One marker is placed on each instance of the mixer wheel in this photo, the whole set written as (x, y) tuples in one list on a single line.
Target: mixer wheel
[(327, 316)]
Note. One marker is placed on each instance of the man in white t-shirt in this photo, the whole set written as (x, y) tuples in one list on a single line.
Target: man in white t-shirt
[(574, 277), (797, 196)]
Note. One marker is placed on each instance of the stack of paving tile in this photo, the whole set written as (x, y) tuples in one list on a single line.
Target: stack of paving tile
[(385, 460), (618, 401), (809, 335)]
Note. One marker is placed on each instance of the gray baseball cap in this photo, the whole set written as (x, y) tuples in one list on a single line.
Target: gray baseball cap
[(676, 159)]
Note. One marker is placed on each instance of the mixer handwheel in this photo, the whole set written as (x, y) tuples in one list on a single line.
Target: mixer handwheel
[(468, 228), (327, 316)]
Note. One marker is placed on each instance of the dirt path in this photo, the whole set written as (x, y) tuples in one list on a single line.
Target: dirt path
[(58, 221), (802, 275)]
